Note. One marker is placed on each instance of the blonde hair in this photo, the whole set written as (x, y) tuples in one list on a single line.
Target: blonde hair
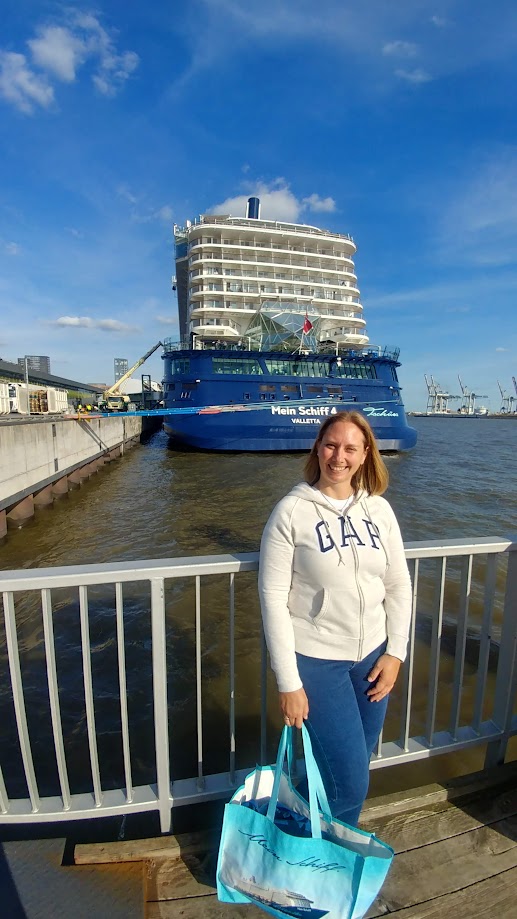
[(372, 476)]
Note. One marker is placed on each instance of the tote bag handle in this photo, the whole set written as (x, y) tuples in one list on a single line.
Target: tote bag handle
[(317, 795)]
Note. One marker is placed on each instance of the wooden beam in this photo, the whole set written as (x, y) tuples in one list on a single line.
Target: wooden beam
[(139, 850), (425, 795)]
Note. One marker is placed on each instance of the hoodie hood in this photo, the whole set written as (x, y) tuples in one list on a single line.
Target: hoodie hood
[(315, 496)]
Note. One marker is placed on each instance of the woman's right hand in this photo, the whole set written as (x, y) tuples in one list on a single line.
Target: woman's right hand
[(294, 707)]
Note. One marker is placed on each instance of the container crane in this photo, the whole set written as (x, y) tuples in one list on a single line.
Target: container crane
[(506, 400), (513, 398), (469, 400), (438, 398), (112, 399)]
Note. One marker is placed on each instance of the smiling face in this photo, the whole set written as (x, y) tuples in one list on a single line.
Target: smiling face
[(341, 452)]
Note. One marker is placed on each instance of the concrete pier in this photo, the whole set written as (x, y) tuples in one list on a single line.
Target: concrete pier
[(42, 459)]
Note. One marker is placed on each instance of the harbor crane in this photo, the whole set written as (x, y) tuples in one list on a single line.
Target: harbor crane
[(438, 399), (468, 406), (113, 400), (506, 400)]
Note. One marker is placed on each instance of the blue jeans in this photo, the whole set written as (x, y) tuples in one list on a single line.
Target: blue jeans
[(344, 727)]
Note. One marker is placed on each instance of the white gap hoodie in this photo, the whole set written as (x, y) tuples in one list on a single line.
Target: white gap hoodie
[(332, 587)]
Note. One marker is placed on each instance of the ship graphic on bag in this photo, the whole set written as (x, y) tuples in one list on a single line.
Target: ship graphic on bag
[(287, 901)]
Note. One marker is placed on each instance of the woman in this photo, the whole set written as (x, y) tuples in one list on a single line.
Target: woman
[(335, 595)]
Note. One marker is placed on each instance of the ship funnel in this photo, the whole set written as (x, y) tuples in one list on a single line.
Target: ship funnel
[(253, 208)]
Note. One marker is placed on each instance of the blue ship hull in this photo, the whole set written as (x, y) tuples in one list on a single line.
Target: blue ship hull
[(265, 411)]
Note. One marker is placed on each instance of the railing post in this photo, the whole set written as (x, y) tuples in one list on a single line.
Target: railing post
[(161, 721), (506, 679)]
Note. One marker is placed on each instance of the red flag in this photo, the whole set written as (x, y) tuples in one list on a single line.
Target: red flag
[(307, 325)]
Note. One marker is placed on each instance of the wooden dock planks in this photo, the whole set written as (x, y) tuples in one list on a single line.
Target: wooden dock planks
[(456, 853)]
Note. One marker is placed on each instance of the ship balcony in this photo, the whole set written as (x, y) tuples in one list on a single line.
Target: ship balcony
[(302, 257), (211, 326), (345, 336), (206, 276), (243, 236), (334, 320), (198, 310), (281, 294)]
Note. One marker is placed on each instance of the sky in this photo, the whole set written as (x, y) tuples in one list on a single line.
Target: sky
[(392, 120)]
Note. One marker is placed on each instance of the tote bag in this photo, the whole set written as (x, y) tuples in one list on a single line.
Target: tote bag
[(326, 869)]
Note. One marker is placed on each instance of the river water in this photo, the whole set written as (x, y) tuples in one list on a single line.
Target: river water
[(459, 482)]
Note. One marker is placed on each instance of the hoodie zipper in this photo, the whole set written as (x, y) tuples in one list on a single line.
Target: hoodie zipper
[(361, 597)]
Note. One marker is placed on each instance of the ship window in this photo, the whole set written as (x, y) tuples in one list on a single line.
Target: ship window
[(266, 387), (368, 372), (280, 367), (317, 389), (334, 390), (353, 370), (288, 388), (188, 387), (180, 365), (298, 368), (241, 366)]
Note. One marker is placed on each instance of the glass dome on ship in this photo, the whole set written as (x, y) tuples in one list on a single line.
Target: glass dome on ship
[(247, 289), (275, 329)]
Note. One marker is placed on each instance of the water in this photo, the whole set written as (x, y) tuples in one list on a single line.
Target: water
[(459, 482)]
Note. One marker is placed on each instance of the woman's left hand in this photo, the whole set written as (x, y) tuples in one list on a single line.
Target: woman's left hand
[(384, 673)]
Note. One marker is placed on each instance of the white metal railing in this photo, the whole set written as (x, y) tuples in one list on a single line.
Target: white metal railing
[(481, 575)]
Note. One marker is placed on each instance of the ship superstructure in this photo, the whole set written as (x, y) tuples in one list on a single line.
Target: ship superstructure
[(253, 281)]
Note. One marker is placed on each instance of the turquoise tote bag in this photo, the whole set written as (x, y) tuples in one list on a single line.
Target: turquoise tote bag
[(291, 857)]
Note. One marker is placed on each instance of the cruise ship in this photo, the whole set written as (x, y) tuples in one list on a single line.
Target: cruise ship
[(273, 339)]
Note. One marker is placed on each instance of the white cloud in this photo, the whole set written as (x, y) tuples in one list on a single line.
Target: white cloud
[(166, 320), (147, 213), (113, 325), (438, 21), (21, 86), (113, 68), (58, 52), (315, 203), (277, 202), (502, 349), (114, 71), (400, 49), (124, 192), (12, 248), (164, 213), (86, 322), (80, 322), (415, 76)]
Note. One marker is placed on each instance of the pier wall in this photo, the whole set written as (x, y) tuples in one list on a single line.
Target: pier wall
[(41, 459)]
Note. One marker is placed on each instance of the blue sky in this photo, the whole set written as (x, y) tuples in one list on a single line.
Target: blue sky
[(391, 120)]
